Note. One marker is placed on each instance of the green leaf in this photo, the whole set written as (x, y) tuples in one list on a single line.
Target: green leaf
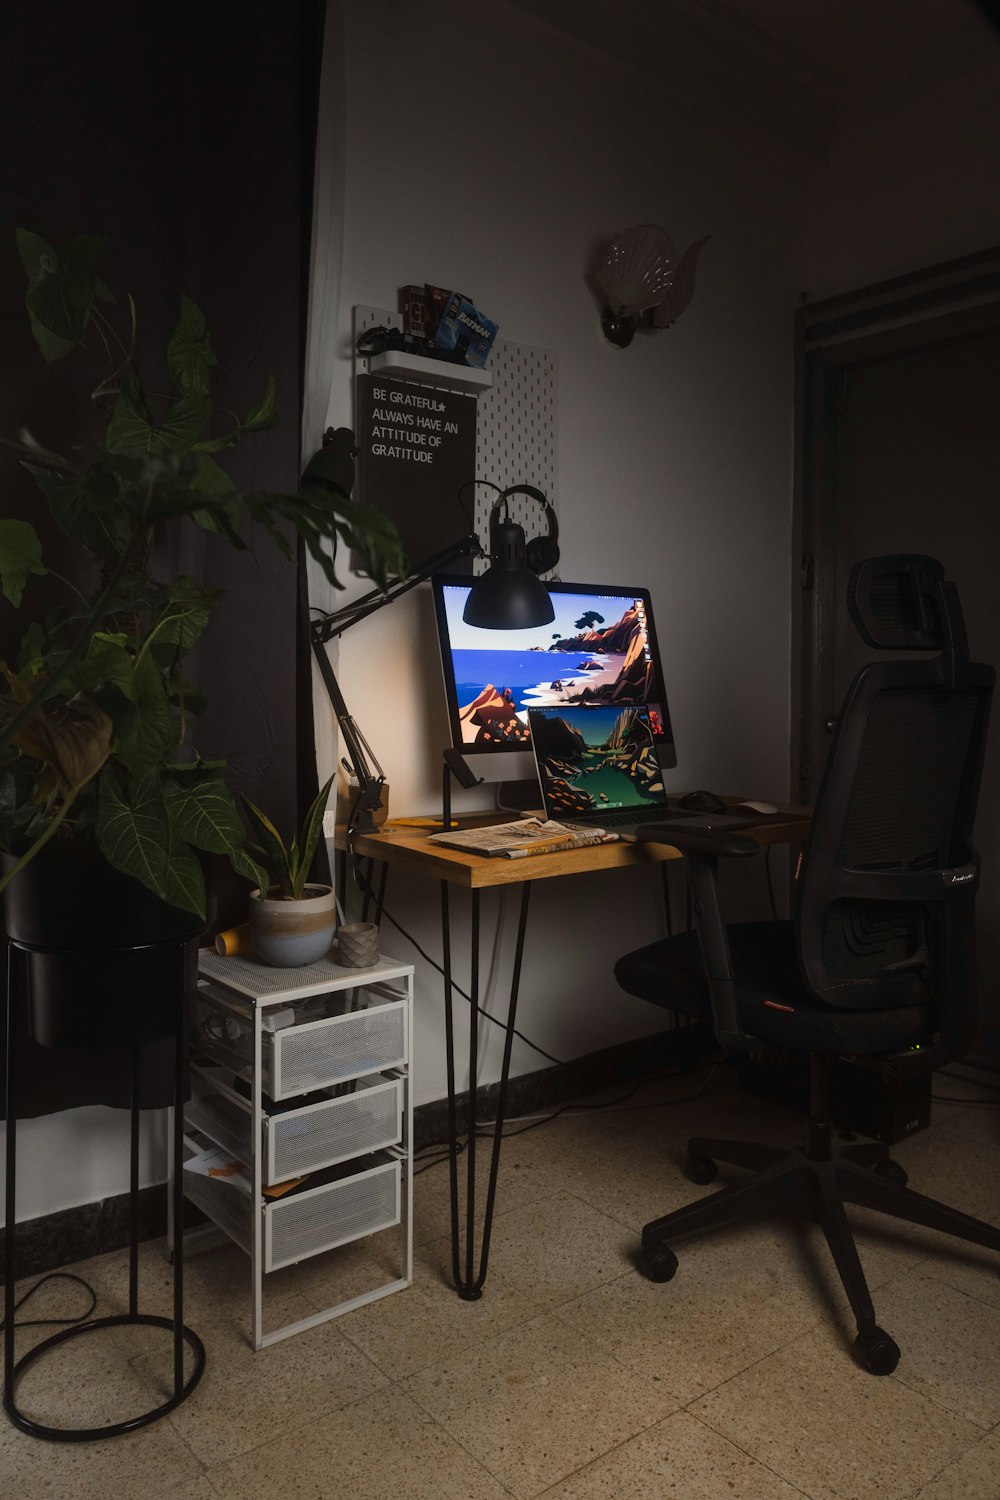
[(183, 694), (244, 865), (272, 846), (20, 556), (223, 511), (37, 256), (132, 429), (132, 419), (147, 731), (319, 518), (201, 808), (189, 352), (132, 831), (107, 664), (32, 651), (210, 479), (186, 421), (265, 413), (184, 882), (312, 828), (184, 615), (61, 289), (87, 507)]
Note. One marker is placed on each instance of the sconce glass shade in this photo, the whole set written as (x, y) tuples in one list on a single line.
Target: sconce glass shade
[(636, 269), (508, 596)]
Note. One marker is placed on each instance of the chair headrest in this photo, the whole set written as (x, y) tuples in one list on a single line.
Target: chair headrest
[(901, 602)]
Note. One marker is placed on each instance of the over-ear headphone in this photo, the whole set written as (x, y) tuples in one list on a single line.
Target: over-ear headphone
[(542, 552)]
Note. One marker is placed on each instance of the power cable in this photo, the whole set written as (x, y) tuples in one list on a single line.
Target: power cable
[(46, 1322)]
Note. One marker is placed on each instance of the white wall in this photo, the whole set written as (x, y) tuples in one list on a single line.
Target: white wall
[(486, 151), (490, 152)]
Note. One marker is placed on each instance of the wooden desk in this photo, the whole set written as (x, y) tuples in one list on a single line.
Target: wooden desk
[(408, 848)]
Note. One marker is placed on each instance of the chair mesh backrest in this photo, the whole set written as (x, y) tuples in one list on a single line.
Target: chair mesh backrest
[(902, 814), (898, 795), (903, 801)]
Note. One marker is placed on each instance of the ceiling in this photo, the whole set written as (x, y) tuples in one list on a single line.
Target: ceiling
[(801, 70)]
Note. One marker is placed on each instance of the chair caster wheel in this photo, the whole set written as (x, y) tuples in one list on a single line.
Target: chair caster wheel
[(701, 1169), (877, 1352), (659, 1264), (893, 1172)]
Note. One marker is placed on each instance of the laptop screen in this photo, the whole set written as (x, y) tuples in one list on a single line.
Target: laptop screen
[(593, 759)]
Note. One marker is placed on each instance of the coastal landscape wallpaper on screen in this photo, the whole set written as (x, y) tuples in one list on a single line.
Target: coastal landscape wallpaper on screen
[(593, 758), (595, 651)]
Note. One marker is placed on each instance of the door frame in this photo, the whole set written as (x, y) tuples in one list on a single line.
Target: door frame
[(939, 304)]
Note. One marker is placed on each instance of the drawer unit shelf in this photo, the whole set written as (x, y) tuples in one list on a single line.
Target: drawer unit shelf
[(315, 1135), (300, 1057), (364, 1198), (302, 1075)]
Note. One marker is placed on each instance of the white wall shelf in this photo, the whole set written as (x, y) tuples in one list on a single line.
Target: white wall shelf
[(435, 372)]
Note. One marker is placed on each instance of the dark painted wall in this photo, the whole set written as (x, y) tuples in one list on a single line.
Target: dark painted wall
[(183, 132)]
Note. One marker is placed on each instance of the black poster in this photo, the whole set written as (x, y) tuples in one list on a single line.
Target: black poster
[(416, 448)]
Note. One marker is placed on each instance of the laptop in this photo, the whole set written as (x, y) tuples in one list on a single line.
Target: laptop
[(597, 768)]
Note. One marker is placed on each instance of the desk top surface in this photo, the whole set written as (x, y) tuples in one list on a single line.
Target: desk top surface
[(405, 846)]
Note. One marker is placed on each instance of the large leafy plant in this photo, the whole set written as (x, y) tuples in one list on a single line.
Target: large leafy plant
[(96, 712)]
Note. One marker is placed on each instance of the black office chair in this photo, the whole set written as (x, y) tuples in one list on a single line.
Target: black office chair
[(878, 963)]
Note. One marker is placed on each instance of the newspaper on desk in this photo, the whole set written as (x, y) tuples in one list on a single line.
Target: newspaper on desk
[(526, 836)]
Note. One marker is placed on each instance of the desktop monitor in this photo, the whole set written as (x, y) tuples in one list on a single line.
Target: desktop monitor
[(600, 649)]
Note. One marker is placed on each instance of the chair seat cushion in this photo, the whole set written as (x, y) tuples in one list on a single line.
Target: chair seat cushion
[(774, 1004)]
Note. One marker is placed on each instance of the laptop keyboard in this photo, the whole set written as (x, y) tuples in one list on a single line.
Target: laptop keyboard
[(638, 815)]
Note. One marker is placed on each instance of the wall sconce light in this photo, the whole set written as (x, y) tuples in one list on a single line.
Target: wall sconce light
[(644, 281)]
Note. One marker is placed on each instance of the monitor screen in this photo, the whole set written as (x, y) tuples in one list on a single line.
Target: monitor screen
[(599, 649), (592, 758)]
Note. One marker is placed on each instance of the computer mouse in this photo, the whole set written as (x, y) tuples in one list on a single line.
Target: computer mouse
[(701, 802)]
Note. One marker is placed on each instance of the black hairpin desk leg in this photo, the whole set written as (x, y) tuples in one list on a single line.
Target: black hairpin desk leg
[(469, 1281)]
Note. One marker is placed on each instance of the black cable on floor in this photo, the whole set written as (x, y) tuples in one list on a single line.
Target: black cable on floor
[(45, 1322)]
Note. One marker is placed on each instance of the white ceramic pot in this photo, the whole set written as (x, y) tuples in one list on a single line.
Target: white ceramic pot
[(288, 934)]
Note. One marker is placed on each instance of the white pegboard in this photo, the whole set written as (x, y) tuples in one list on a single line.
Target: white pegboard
[(516, 427)]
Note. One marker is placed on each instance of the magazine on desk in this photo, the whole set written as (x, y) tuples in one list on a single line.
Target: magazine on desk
[(522, 838)]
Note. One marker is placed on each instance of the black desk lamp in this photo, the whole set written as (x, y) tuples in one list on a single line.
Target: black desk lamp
[(508, 596)]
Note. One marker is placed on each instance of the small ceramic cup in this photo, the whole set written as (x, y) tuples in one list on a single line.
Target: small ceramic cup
[(357, 944)]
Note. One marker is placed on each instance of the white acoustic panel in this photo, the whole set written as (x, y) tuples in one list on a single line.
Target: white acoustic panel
[(516, 425)]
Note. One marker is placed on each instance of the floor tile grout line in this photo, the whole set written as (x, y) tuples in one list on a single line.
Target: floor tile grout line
[(751, 1456)]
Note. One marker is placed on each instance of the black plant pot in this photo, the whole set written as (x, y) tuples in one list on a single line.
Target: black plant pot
[(106, 961)]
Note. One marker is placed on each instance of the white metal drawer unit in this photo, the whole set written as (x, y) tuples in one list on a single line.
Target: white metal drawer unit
[(342, 1057)]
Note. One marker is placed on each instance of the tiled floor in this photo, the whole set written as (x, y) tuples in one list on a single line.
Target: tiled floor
[(573, 1377)]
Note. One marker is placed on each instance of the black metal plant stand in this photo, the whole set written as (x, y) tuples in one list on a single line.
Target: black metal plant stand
[(167, 957)]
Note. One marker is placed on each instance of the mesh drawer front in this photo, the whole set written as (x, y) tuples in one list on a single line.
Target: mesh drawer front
[(321, 1134), (331, 1215), (307, 1057)]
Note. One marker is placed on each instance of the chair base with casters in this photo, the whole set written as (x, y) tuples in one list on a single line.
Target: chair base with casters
[(817, 1180)]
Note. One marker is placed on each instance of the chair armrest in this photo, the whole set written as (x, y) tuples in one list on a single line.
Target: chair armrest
[(696, 840)]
